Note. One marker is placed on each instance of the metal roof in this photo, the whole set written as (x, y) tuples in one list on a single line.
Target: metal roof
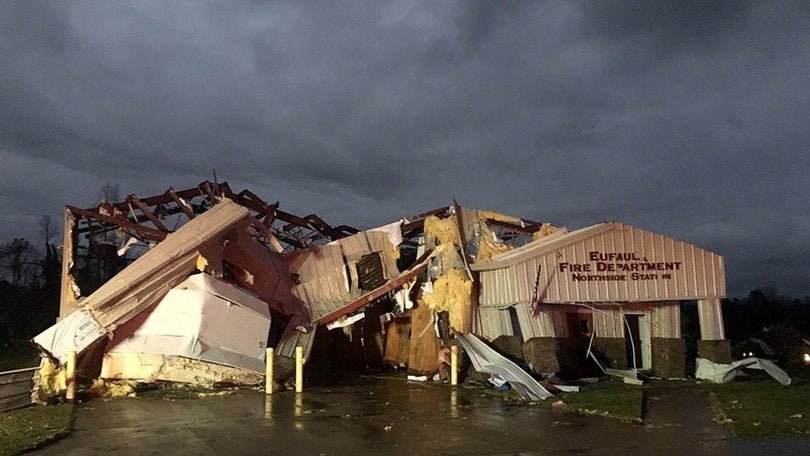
[(540, 246)]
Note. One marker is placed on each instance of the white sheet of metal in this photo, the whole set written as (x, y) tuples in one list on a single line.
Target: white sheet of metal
[(201, 319), (608, 321), (722, 373), (298, 333), (486, 359), (75, 332)]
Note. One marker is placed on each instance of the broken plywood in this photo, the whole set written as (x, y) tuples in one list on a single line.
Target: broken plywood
[(397, 343), (424, 344)]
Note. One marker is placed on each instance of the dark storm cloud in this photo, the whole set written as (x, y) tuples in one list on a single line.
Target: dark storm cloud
[(686, 118), (666, 27)]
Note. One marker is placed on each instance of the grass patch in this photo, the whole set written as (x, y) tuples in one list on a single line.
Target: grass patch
[(18, 356), (761, 407), (31, 427), (611, 398)]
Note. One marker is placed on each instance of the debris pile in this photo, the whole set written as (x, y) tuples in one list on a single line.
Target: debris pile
[(193, 286)]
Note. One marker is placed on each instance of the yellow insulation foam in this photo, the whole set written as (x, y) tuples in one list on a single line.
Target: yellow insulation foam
[(545, 230), (451, 292), (443, 231)]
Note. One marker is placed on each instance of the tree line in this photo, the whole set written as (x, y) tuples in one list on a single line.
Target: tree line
[(30, 280)]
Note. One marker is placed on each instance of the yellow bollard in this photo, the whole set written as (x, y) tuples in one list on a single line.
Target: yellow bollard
[(268, 370), (299, 369), (454, 365), (268, 407), (298, 410), (70, 371)]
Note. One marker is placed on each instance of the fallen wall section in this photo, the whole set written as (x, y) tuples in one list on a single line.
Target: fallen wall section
[(143, 283), (196, 320)]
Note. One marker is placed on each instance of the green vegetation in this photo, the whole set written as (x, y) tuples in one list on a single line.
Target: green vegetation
[(754, 407), (761, 407), (611, 398), (24, 429), (18, 356)]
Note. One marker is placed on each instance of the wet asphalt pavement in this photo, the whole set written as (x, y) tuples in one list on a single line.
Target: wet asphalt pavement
[(388, 415)]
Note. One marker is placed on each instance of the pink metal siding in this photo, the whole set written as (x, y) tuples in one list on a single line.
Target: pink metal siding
[(608, 319), (609, 262), (328, 274)]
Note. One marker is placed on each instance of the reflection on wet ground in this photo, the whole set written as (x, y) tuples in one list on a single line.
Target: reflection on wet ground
[(388, 415)]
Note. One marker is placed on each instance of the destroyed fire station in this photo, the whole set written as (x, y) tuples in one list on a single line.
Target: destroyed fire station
[(194, 285)]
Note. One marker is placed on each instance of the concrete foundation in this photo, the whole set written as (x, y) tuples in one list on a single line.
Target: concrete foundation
[(611, 352), (541, 354), (718, 351), (565, 358), (509, 346), (669, 358)]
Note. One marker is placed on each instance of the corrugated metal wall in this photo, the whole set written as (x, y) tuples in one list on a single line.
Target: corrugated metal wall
[(616, 263), (616, 269), (664, 318), (608, 322), (327, 282), (711, 319), (541, 325), (608, 319), (494, 323)]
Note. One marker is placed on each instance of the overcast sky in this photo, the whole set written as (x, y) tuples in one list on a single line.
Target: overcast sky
[(692, 121)]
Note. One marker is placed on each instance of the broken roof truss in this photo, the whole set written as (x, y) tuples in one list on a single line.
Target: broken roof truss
[(149, 219)]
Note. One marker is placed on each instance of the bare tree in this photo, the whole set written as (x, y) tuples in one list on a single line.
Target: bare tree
[(47, 228), (14, 257)]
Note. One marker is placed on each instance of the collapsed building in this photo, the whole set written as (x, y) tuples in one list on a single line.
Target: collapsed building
[(192, 286)]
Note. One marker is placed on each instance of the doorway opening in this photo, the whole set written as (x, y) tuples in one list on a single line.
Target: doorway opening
[(637, 340), (580, 327)]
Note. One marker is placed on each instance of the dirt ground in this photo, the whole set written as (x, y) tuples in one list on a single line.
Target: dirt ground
[(388, 415)]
